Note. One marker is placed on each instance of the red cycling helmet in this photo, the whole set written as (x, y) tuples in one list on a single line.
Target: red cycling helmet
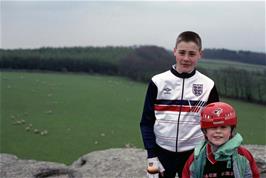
[(218, 114)]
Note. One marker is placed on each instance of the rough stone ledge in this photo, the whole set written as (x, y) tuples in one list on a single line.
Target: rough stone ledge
[(120, 162)]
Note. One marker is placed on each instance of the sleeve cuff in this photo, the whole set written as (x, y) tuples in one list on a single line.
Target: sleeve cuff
[(151, 153)]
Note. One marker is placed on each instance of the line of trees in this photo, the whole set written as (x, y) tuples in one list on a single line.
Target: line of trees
[(136, 63), (76, 59), (236, 56), (239, 83)]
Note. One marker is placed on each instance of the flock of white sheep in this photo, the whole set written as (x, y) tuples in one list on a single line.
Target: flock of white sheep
[(28, 126)]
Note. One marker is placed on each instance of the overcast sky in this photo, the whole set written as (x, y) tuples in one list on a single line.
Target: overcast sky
[(238, 25)]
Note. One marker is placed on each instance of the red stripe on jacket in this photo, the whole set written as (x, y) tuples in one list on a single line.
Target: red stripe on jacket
[(176, 108)]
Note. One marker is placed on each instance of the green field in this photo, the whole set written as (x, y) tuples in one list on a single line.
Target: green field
[(59, 117)]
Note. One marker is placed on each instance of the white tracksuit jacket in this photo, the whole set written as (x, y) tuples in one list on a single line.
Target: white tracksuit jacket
[(171, 115)]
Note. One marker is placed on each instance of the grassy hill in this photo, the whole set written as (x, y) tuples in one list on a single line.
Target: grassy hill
[(140, 63), (221, 64), (59, 117)]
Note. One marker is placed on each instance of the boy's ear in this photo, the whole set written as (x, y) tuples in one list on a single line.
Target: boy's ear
[(174, 51), (201, 54)]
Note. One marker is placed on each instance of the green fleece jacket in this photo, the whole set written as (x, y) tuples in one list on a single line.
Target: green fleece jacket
[(240, 165)]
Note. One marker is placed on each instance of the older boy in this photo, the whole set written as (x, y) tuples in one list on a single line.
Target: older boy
[(171, 115), (221, 154)]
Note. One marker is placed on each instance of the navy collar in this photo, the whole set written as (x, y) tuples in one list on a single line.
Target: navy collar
[(182, 75)]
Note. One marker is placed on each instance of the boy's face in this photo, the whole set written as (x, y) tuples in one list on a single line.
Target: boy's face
[(187, 55), (218, 135)]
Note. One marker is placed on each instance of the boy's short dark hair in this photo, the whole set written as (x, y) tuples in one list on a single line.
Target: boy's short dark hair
[(188, 36)]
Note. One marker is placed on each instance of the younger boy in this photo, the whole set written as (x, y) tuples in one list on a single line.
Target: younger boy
[(221, 154)]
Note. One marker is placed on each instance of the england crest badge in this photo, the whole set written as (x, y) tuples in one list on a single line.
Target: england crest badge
[(197, 89)]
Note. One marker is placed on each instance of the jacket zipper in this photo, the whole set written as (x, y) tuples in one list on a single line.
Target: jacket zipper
[(177, 129)]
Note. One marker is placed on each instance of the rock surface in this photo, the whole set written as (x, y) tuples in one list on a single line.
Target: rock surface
[(122, 163)]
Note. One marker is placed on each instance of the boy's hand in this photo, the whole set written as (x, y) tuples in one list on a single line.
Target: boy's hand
[(154, 168)]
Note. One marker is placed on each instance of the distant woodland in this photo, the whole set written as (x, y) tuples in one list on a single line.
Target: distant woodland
[(236, 56), (140, 63)]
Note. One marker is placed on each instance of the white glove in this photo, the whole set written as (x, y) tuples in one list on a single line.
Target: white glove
[(154, 168)]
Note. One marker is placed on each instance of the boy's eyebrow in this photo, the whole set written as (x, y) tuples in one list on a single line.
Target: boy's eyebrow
[(183, 50), (192, 52)]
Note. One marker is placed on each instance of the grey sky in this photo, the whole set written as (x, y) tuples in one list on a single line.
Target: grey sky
[(238, 25)]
